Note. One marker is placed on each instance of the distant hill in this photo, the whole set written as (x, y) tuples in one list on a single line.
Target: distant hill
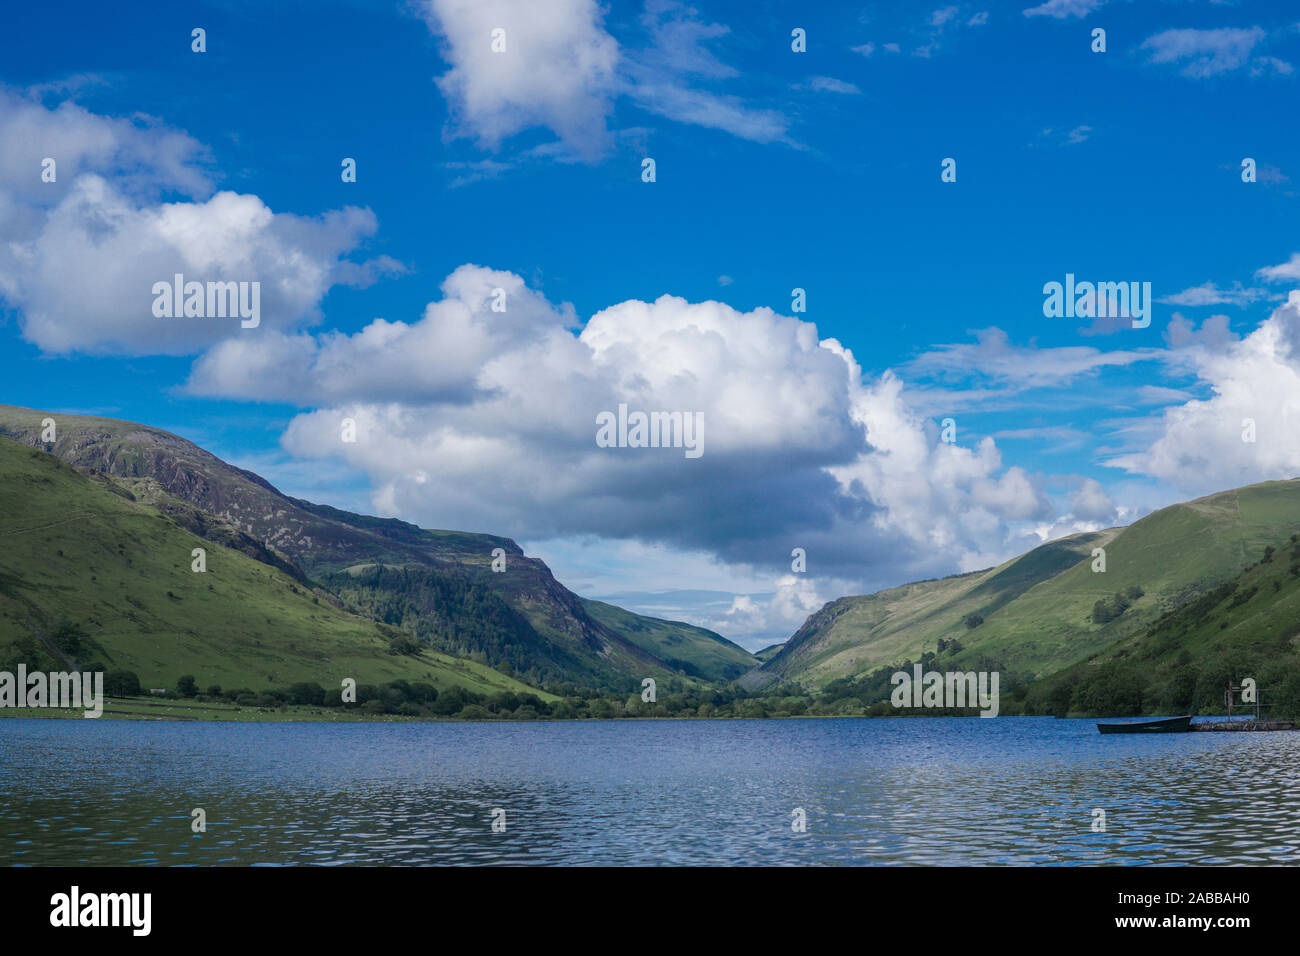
[(90, 577), (695, 651), (437, 586), (769, 652), (1039, 613)]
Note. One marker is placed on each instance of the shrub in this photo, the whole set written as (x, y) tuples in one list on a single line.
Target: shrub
[(121, 684), (307, 692)]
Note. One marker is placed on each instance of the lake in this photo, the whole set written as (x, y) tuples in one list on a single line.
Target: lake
[(883, 791)]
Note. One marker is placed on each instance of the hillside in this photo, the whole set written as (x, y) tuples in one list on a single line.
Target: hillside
[(384, 568), (694, 651), (90, 577), (1248, 626), (1034, 615)]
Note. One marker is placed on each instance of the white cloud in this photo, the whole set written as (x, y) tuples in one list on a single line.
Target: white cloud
[(1206, 53), (562, 70), (151, 156), (995, 358), (484, 420), (947, 500), (1198, 446), (79, 262), (1288, 271), (1061, 9), (1091, 503), (1070, 137), (942, 16), (1210, 294), (558, 70), (1215, 332), (439, 358), (756, 619), (827, 84)]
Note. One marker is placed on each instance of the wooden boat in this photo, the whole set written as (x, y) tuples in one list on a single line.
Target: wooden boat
[(1162, 725)]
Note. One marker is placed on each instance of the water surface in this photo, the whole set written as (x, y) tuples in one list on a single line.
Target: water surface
[(882, 791)]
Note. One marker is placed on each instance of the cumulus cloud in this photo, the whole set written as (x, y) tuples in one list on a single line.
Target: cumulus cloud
[(773, 616), (557, 70), (1215, 332), (79, 262), (155, 157), (438, 358), (1248, 429), (945, 500), (1091, 503), (493, 427), (563, 71)]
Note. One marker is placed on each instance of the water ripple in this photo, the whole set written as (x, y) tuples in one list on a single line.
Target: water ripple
[(910, 791)]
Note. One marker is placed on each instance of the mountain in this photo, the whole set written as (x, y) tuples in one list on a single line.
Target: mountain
[(1247, 627), (1047, 609), (695, 651), (91, 577), (437, 586)]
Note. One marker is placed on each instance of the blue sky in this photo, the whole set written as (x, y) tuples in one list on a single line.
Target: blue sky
[(774, 170)]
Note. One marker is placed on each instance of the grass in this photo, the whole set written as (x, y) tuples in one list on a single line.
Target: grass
[(1037, 608), (699, 652), (73, 549)]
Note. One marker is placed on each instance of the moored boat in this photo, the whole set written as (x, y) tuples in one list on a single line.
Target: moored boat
[(1162, 725)]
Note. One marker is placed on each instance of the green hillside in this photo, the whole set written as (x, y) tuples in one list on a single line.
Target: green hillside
[(1038, 613), (1248, 626), (90, 577), (693, 651), (547, 638)]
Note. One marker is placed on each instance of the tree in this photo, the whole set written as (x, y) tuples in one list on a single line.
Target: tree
[(1058, 698), (307, 692), (68, 638), (121, 684), (186, 686)]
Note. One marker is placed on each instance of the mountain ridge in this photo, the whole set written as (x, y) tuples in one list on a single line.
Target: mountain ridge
[(558, 642), (1047, 609)]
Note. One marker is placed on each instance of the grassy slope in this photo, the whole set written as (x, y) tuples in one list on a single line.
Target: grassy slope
[(855, 635), (697, 651), (1180, 663), (1037, 608), (166, 469), (72, 549)]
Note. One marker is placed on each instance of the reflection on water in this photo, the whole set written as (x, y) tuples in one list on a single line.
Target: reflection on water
[(889, 791)]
